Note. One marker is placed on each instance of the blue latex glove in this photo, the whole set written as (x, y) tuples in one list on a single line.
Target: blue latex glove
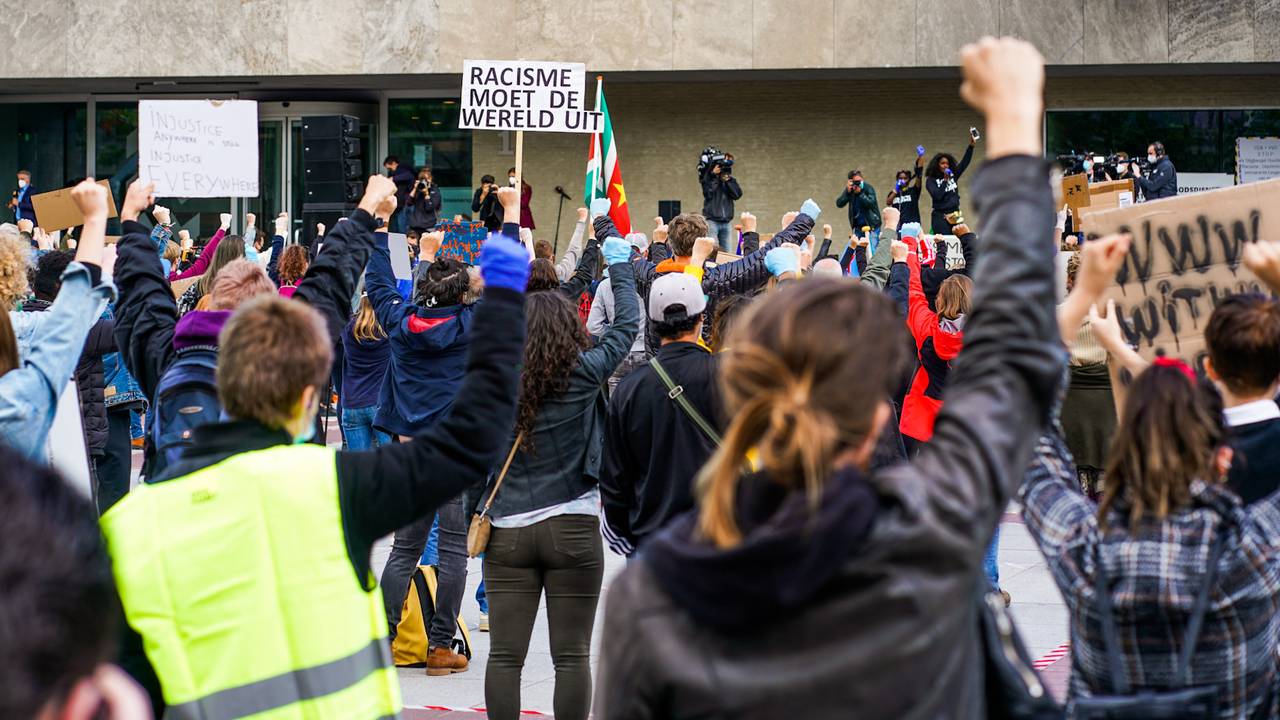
[(504, 263), (911, 229), (811, 209), (782, 260), (616, 250), (600, 206)]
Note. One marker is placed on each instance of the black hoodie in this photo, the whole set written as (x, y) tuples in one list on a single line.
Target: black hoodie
[(789, 551)]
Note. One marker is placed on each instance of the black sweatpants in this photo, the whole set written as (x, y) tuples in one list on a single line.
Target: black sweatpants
[(563, 555)]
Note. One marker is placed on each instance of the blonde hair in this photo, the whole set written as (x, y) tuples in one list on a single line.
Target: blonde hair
[(954, 297), (799, 392), (238, 281), (172, 253), (15, 260), (367, 328)]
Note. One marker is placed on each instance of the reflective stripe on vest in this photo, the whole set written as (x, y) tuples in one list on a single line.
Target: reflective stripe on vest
[(291, 687), (237, 577)]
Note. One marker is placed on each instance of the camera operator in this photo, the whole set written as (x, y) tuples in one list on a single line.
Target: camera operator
[(719, 190), (484, 205), (1161, 179), (864, 210), (1117, 167), (424, 202)]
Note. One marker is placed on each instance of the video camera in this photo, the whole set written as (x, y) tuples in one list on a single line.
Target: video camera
[(1073, 163), (712, 156)]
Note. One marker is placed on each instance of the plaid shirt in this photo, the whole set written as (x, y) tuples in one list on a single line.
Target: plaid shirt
[(1155, 572)]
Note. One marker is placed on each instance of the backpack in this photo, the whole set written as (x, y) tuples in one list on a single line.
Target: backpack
[(186, 398), (409, 649)]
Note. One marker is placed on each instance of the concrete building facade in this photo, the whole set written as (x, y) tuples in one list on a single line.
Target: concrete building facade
[(801, 91)]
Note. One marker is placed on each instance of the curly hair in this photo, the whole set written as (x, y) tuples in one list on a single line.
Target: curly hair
[(293, 264), (933, 170), (15, 260), (556, 337)]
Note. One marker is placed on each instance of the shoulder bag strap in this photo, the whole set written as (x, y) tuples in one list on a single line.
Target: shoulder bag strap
[(676, 394), (502, 475), (1102, 587), (1199, 610)]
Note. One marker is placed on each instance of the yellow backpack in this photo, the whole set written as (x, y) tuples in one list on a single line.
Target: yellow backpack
[(410, 646)]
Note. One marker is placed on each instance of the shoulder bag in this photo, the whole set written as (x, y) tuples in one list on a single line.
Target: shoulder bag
[(481, 526)]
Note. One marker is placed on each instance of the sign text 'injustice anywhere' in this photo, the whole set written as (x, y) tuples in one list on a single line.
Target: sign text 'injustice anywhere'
[(520, 95), (199, 148)]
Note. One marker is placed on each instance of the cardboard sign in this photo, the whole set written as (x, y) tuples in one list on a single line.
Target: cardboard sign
[(1075, 192), (723, 257), (523, 95), (199, 148), (462, 240), (1105, 195), (1185, 259), (57, 211), (1257, 158), (398, 247)]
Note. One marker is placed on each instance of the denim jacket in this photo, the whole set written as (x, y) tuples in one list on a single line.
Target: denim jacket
[(50, 348), (121, 388)]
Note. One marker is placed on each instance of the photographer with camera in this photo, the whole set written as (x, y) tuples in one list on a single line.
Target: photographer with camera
[(484, 204), (864, 211), (424, 203), (1160, 180), (719, 190)]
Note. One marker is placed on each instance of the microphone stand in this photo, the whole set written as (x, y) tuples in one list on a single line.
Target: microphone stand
[(559, 210)]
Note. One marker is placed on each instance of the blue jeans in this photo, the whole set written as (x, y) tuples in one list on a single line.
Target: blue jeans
[(991, 561), (357, 428), (723, 234)]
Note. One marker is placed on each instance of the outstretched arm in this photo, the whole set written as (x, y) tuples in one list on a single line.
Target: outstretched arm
[(331, 279), (749, 273)]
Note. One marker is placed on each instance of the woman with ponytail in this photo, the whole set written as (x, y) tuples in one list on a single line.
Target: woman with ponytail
[(806, 584)]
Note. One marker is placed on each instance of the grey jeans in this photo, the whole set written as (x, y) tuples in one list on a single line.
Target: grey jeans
[(407, 548)]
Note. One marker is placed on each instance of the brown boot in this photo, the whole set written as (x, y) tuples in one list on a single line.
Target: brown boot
[(443, 661)]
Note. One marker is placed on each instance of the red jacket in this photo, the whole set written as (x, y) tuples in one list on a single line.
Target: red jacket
[(938, 342)]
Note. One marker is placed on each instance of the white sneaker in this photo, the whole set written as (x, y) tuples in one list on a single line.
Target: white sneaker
[(484, 622)]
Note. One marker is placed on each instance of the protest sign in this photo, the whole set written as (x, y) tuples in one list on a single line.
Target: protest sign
[(1185, 259), (199, 148), (64, 448), (462, 240), (398, 246), (1075, 191), (57, 211), (524, 95), (1257, 158)]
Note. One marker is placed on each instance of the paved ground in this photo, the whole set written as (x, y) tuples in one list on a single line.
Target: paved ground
[(1037, 609)]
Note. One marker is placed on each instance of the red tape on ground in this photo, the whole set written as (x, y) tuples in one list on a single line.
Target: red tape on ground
[(1052, 656)]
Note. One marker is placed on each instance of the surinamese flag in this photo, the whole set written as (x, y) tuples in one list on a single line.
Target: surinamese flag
[(604, 173)]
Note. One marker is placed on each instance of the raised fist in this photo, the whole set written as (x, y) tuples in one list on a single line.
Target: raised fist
[(749, 222)]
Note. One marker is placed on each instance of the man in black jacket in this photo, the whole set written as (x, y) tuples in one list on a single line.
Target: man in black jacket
[(1162, 180), (653, 446), (719, 190), (89, 377)]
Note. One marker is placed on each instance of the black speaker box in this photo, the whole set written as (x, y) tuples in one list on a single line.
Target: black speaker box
[(330, 170), (668, 209), (330, 148), (327, 213), (340, 191), (329, 126)]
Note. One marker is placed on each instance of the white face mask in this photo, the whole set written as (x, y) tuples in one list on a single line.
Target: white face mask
[(511, 181), (22, 183), (1151, 158)]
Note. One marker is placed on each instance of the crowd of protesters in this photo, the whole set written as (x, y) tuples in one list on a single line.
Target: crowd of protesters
[(805, 458)]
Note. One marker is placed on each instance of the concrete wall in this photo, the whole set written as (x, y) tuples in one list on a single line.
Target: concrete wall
[(220, 38), (794, 140)]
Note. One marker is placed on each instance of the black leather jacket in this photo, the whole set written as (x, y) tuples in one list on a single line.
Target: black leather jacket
[(893, 633)]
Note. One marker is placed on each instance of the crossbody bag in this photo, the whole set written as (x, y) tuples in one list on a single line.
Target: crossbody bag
[(481, 525), (676, 394)]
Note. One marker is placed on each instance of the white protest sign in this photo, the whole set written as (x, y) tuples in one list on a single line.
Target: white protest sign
[(64, 448), (525, 95), (1257, 158), (398, 245), (199, 148), (1189, 182)]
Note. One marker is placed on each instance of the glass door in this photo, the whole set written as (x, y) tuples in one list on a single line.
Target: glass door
[(271, 175)]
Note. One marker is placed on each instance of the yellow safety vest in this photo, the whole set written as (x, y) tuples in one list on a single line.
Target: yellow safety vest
[(238, 579)]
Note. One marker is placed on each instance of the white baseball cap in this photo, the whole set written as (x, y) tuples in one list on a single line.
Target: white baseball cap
[(674, 297)]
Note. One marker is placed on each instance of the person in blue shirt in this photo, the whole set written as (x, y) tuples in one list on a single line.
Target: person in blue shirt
[(21, 202)]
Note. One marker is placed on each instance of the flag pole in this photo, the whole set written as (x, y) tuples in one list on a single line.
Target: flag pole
[(520, 161)]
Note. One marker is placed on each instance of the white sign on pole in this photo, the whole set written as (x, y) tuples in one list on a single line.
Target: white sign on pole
[(199, 148), (525, 95), (1257, 158), (398, 247)]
